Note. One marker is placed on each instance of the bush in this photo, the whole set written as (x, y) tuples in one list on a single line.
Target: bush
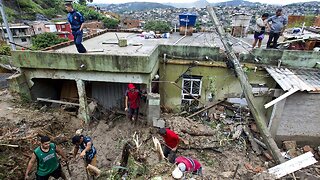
[(161, 26), (5, 49), (110, 23), (90, 14), (44, 40)]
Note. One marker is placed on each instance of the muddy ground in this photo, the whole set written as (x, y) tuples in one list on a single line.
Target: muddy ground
[(21, 124)]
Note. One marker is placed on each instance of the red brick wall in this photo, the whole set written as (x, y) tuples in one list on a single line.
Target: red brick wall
[(317, 22)]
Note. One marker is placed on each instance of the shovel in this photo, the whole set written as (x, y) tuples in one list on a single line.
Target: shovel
[(68, 168)]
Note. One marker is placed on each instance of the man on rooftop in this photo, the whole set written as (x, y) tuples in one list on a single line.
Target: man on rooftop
[(276, 24), (76, 21)]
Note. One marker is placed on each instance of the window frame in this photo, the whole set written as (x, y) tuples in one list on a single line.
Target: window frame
[(184, 95)]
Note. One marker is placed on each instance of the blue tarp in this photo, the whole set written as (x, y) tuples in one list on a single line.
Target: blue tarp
[(187, 19)]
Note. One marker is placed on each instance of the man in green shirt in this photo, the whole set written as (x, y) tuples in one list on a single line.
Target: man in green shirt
[(47, 161)]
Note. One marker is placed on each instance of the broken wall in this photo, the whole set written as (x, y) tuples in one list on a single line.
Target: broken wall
[(300, 119), (291, 58), (220, 82)]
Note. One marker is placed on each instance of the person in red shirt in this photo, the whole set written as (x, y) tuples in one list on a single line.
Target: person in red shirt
[(133, 96), (186, 164), (171, 140)]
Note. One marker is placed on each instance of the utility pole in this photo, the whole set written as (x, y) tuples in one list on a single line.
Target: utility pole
[(4, 18), (259, 117)]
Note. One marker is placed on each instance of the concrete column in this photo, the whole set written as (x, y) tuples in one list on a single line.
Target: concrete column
[(275, 118), (154, 110), (83, 109), (18, 84)]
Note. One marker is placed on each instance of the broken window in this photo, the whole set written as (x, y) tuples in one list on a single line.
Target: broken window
[(192, 90)]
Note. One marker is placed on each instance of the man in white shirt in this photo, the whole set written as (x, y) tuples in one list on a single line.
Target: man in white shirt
[(259, 30)]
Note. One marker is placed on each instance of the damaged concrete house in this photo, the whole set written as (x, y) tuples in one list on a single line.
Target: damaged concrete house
[(192, 73)]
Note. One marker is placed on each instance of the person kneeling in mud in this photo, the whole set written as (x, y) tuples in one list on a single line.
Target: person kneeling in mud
[(88, 151)]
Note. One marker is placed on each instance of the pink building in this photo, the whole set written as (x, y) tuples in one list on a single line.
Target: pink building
[(64, 30)]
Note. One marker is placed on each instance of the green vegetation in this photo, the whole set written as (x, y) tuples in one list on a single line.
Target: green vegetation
[(27, 9), (161, 26), (5, 49), (308, 20), (110, 23), (90, 14), (44, 40)]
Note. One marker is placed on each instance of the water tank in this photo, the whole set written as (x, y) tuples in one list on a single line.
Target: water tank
[(187, 19)]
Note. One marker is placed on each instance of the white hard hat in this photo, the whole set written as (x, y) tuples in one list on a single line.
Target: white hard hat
[(182, 167), (177, 174)]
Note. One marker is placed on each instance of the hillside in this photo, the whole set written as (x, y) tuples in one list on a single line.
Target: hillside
[(236, 3), (19, 10), (196, 4), (135, 6)]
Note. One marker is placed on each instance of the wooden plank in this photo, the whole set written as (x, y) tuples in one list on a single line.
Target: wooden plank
[(258, 115), (56, 101), (214, 104), (293, 165), (285, 95), (10, 145)]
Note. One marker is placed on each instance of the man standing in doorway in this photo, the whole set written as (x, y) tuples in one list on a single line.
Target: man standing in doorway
[(47, 161), (76, 21), (132, 102), (277, 27)]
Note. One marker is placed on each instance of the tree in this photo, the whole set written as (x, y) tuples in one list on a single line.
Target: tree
[(90, 14), (5, 49), (161, 26), (110, 23), (83, 2), (47, 39)]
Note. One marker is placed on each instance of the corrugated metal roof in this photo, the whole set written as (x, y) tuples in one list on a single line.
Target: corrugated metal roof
[(303, 79), (109, 94)]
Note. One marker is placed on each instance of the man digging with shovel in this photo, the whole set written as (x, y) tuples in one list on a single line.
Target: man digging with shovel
[(171, 140), (88, 153)]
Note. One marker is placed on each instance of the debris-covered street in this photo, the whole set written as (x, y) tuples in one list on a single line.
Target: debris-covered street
[(223, 142)]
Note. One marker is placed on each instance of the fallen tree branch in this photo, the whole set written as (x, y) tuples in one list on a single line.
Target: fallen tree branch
[(198, 133), (10, 145), (215, 149), (260, 143), (157, 146), (254, 144), (125, 157), (258, 115)]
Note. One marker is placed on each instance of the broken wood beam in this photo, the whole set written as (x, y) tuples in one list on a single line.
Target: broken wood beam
[(10, 145), (254, 144), (125, 156), (56, 101), (260, 143), (293, 165), (215, 149), (158, 148), (283, 96), (214, 104), (247, 89)]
